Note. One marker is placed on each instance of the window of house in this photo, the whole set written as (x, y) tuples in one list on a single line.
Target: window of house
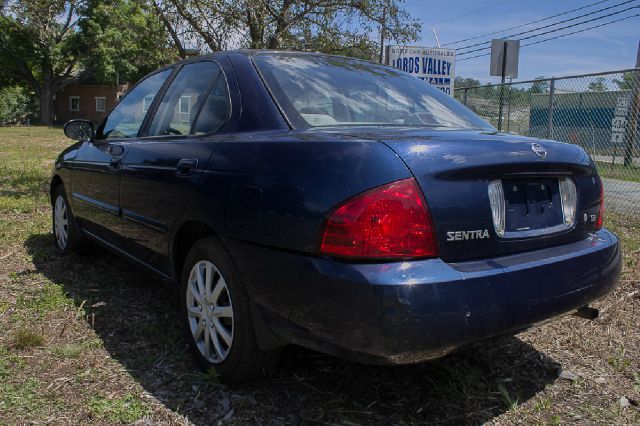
[(146, 103), (184, 104), (74, 103), (100, 104)]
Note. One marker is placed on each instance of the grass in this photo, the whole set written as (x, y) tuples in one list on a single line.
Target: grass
[(26, 339), (90, 339), (618, 171), (127, 409)]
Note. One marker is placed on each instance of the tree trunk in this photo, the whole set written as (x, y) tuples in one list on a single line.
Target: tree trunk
[(46, 93), (256, 29)]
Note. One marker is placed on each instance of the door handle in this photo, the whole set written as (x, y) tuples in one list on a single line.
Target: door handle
[(186, 165)]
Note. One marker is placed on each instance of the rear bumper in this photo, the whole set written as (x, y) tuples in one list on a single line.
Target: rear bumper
[(406, 312)]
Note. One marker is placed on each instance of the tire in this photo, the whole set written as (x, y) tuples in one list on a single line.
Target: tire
[(67, 236), (220, 332)]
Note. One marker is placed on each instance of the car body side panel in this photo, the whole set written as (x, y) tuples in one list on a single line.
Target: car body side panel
[(290, 182)]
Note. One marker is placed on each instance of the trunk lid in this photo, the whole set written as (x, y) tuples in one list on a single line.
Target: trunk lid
[(455, 169)]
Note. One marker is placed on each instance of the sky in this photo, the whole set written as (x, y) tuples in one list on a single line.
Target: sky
[(607, 48)]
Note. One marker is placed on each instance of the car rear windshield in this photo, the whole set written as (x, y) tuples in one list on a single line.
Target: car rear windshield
[(319, 90)]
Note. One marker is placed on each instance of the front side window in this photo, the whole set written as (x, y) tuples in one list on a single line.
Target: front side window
[(184, 98), (126, 118), (74, 103), (316, 91)]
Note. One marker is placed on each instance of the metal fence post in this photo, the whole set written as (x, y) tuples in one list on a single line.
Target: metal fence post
[(465, 96), (552, 91), (632, 124)]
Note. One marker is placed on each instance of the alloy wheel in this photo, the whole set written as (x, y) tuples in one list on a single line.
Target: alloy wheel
[(61, 222), (209, 311)]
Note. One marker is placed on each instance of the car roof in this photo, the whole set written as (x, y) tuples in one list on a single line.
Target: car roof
[(253, 52)]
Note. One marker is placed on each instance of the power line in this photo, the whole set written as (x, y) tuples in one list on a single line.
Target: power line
[(561, 35), (463, 14), (558, 29), (558, 23), (528, 23)]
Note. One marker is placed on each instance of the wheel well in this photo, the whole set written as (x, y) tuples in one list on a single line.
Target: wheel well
[(55, 182), (188, 234)]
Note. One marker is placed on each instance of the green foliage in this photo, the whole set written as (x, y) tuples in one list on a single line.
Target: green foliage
[(122, 40), (461, 82), (330, 26), (127, 409), (597, 85), (539, 86), (509, 402), (15, 103), (25, 338), (627, 81)]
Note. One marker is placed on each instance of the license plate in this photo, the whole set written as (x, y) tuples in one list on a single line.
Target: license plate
[(531, 204)]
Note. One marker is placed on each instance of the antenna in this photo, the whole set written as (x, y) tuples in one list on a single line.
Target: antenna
[(435, 34)]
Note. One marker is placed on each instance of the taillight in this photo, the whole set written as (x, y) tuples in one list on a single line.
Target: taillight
[(600, 219), (568, 200), (388, 222)]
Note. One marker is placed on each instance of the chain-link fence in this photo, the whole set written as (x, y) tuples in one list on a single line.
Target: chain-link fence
[(599, 112)]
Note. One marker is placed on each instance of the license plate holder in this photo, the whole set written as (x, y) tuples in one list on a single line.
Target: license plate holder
[(531, 204)]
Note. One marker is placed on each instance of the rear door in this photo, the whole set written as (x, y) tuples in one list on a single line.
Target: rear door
[(98, 165), (161, 171)]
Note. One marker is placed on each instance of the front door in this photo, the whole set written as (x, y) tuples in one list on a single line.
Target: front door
[(95, 188), (98, 164), (162, 170)]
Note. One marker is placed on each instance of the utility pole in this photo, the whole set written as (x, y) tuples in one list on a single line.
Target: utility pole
[(383, 27), (504, 69), (632, 124)]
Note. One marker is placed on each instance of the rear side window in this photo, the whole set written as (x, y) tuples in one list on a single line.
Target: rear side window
[(189, 94), (126, 118), (215, 109)]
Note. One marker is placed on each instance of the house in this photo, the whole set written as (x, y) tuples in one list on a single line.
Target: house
[(86, 101)]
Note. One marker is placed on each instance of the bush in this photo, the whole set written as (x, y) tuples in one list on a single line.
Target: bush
[(16, 103)]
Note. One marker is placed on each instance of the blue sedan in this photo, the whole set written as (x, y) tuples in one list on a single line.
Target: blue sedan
[(335, 204)]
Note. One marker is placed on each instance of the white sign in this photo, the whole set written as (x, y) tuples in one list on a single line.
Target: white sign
[(622, 106), (619, 121), (434, 65), (617, 138)]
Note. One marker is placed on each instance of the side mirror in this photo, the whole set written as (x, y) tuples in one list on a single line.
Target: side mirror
[(79, 130)]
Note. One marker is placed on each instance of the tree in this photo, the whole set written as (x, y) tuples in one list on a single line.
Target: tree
[(48, 44), (122, 41), (539, 85), (627, 81), (38, 47), (461, 83), (334, 26), (597, 85)]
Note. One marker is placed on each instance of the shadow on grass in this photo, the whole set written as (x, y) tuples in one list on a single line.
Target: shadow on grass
[(135, 316)]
